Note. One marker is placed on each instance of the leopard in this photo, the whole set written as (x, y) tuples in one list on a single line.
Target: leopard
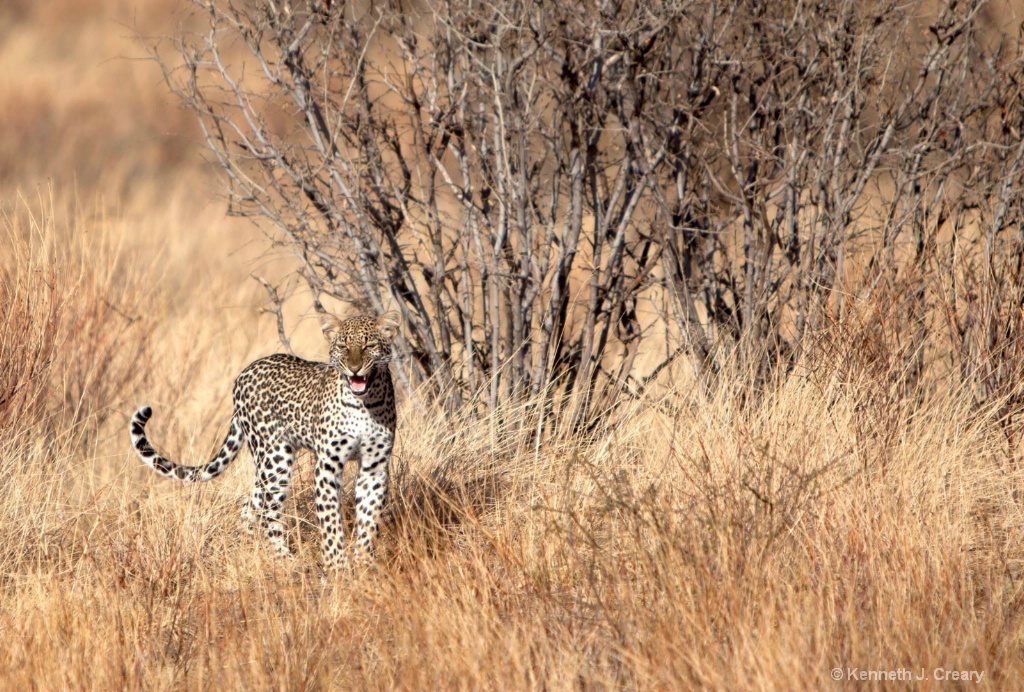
[(342, 410)]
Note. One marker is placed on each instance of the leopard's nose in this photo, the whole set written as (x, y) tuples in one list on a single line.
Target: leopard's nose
[(354, 357)]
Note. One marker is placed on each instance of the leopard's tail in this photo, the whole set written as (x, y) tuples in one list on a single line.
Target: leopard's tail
[(188, 474)]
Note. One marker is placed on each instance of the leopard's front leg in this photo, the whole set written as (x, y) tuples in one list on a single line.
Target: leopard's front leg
[(371, 492), (330, 462)]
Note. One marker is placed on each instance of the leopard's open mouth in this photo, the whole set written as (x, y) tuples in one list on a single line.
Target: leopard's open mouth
[(358, 384)]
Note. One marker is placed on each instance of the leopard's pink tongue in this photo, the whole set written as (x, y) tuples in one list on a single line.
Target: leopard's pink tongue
[(358, 383)]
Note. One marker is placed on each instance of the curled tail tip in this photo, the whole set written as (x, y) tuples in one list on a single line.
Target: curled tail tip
[(138, 422)]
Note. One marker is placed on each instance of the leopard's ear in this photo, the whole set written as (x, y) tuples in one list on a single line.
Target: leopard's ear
[(331, 327), (388, 324)]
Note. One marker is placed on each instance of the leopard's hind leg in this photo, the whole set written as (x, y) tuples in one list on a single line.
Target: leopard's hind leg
[(270, 489)]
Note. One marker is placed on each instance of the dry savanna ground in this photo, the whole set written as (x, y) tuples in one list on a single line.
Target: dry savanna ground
[(694, 542)]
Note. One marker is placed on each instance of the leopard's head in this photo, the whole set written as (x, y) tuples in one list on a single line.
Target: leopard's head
[(360, 345)]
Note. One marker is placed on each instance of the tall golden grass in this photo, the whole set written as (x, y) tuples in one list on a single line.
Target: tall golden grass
[(696, 541)]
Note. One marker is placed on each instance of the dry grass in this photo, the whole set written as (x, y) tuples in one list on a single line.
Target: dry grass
[(694, 542)]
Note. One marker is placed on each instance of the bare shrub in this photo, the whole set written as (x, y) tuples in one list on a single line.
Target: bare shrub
[(537, 186)]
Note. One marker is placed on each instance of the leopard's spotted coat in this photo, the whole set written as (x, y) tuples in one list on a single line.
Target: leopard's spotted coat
[(341, 410)]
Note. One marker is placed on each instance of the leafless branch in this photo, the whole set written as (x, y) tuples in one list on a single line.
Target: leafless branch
[(545, 190)]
